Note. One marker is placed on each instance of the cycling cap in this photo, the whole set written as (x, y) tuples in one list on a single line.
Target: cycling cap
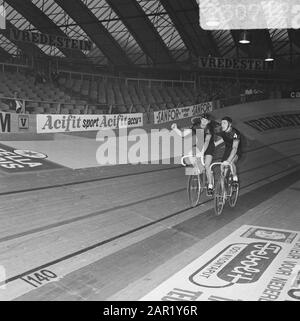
[(206, 116), (197, 119), (228, 119)]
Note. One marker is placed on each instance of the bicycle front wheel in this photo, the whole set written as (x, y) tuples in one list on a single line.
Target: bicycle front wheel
[(194, 189), (219, 198), (234, 195)]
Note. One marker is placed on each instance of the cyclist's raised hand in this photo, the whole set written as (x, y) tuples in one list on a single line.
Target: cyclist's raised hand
[(174, 126)]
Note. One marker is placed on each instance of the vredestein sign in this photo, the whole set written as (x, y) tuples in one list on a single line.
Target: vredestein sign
[(50, 40), (236, 64)]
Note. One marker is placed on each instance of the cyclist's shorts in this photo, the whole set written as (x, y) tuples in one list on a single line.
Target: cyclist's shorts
[(227, 154), (210, 150)]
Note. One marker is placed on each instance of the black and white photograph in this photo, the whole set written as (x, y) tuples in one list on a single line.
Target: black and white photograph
[(149, 154)]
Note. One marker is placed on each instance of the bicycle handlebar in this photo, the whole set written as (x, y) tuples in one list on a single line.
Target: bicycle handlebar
[(220, 163), (189, 156)]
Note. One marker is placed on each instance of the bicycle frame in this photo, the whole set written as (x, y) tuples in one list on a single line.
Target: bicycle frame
[(223, 172), (220, 163), (223, 189), (199, 176)]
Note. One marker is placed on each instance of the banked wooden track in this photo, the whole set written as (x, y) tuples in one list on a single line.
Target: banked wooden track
[(115, 235)]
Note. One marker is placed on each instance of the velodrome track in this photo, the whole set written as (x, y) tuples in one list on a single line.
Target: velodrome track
[(116, 233)]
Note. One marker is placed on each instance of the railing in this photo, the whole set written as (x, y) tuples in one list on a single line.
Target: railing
[(10, 66), (88, 108), (150, 82), (129, 108), (241, 99), (92, 77)]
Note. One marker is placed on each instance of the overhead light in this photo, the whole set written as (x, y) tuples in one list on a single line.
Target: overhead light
[(269, 57), (244, 38)]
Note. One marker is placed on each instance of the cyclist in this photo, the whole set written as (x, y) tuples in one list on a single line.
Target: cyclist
[(233, 146), (203, 122)]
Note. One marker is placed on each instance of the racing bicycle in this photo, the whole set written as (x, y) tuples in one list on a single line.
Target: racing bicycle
[(197, 181), (225, 190)]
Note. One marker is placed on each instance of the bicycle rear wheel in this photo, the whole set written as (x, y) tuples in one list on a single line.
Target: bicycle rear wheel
[(219, 198), (194, 189), (234, 194)]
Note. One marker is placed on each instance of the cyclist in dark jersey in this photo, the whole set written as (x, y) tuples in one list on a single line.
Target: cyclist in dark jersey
[(206, 151), (233, 145)]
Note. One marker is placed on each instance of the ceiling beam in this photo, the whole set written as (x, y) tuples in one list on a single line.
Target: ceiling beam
[(294, 36), (43, 23), (80, 13), (4, 54), (261, 43), (185, 15), (28, 48), (143, 31)]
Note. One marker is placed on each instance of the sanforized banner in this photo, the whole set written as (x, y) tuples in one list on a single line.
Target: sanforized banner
[(81, 123), (167, 115), (252, 264)]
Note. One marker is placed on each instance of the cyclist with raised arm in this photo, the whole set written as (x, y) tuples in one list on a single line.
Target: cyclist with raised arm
[(202, 122), (233, 146)]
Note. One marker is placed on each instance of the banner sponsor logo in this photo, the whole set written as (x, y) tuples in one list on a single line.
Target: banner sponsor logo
[(243, 263), (50, 40), (252, 264), (273, 235), (30, 153), (167, 115), (23, 121), (17, 160), (274, 121), (295, 94), (237, 64), (74, 123), (5, 123), (291, 94)]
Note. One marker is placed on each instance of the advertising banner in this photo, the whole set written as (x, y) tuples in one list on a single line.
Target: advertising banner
[(17, 123), (167, 115), (291, 94), (274, 122), (236, 64), (252, 264), (50, 40), (20, 161), (81, 123)]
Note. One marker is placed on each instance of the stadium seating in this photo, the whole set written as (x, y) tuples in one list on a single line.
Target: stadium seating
[(95, 96), (39, 97)]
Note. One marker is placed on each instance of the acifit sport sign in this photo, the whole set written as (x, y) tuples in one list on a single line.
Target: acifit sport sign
[(252, 264), (76, 123)]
